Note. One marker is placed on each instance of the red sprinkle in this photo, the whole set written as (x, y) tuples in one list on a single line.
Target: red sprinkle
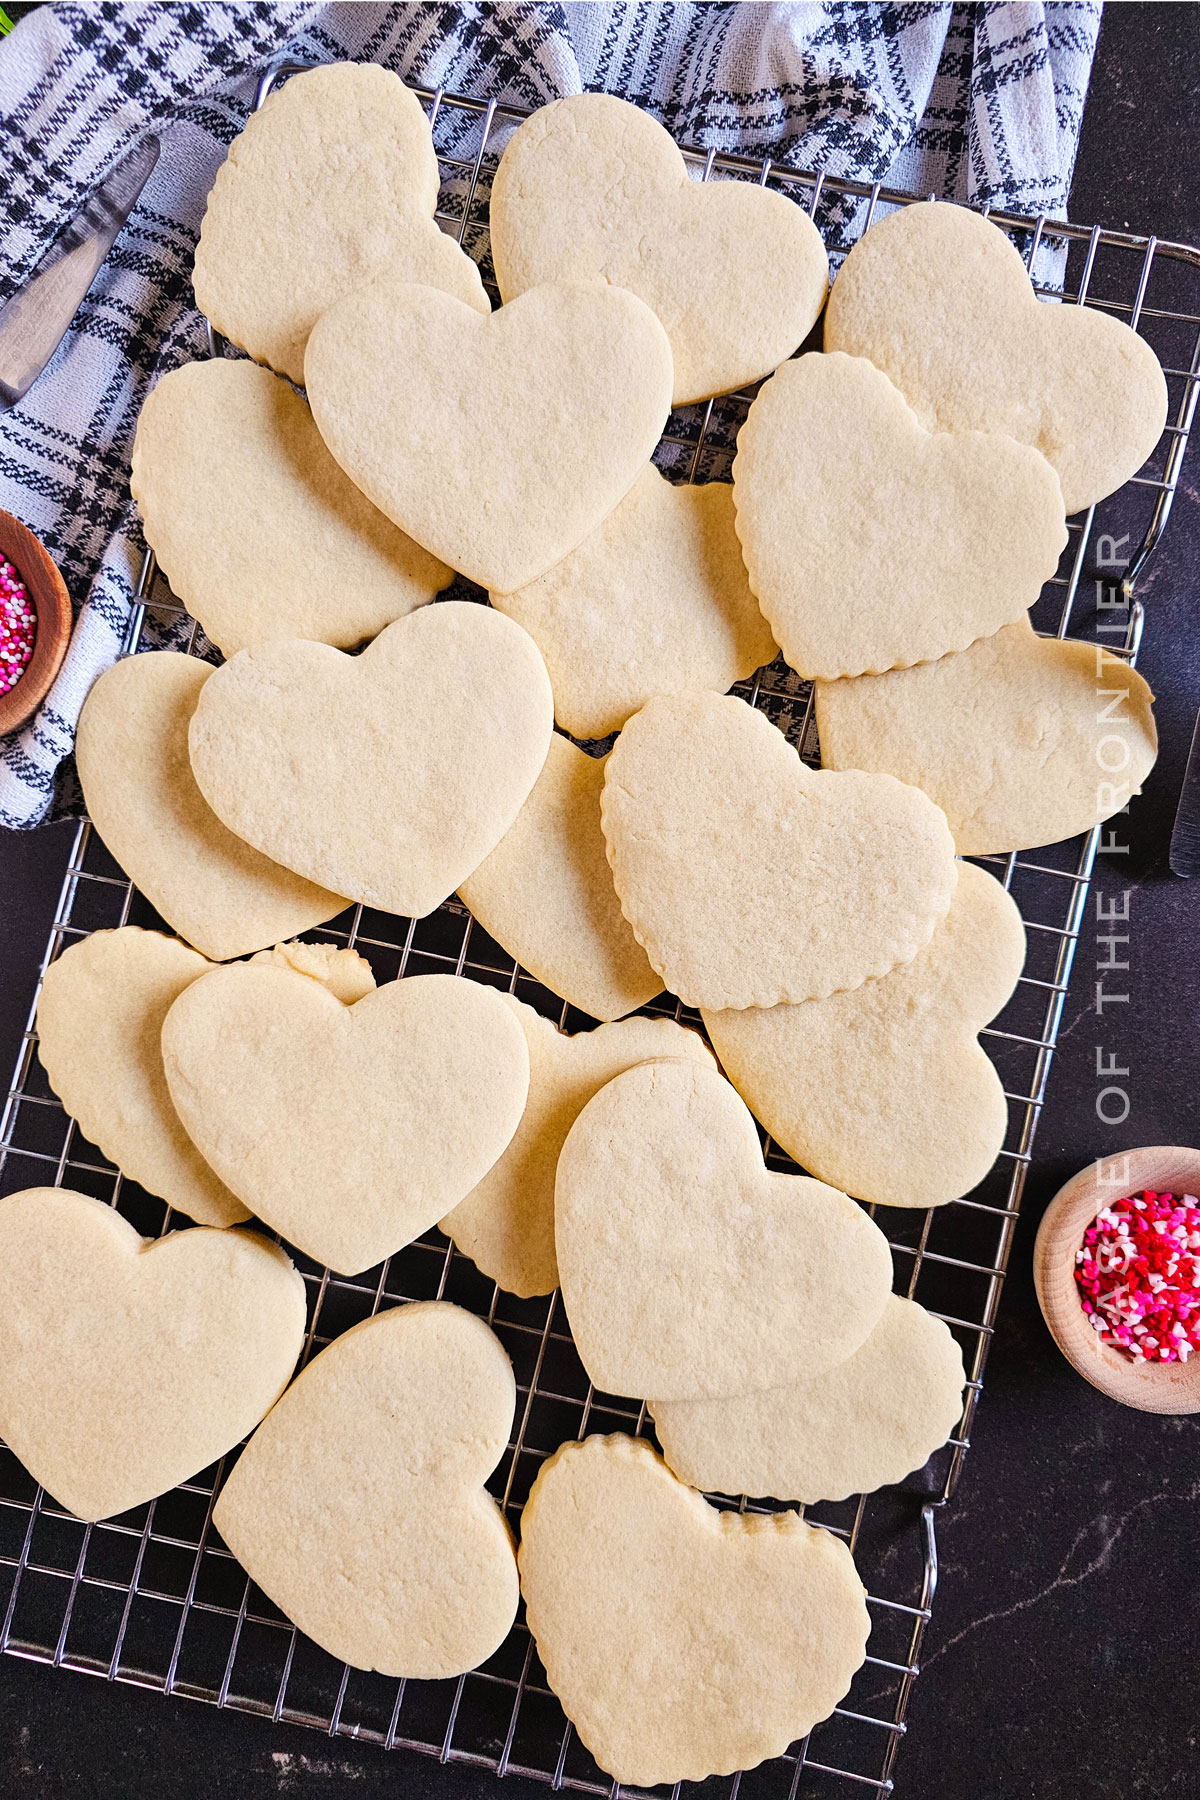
[(1138, 1271), (18, 627)]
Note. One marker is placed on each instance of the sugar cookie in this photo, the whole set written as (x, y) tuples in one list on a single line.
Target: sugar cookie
[(682, 1641), (506, 1223), (349, 1129), (257, 529), (126, 1365), (546, 894), (885, 1092), (940, 300), (591, 186), (334, 177), (359, 1508), (131, 750), (393, 773), (873, 543), (871, 1420), (99, 1018), (498, 442), (654, 601), (689, 1269), (750, 878), (1021, 740)]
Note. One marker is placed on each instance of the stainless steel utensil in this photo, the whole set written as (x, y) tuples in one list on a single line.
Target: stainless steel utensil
[(34, 320), (1185, 838)]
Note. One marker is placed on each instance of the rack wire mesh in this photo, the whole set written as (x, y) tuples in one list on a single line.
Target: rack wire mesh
[(153, 1598)]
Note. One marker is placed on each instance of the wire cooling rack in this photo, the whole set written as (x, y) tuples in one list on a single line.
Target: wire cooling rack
[(154, 1598)]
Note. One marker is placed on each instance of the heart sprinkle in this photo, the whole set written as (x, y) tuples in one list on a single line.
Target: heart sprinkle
[(18, 627), (1139, 1276)]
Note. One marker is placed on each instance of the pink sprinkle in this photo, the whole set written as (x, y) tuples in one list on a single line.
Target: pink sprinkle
[(1137, 1271), (18, 627)]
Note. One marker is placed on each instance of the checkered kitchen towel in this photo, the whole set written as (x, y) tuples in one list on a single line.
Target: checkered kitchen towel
[(980, 102)]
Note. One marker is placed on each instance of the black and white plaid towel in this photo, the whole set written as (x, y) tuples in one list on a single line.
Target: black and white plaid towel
[(979, 102)]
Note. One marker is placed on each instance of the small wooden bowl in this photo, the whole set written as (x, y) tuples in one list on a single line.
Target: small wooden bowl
[(52, 607), (1150, 1387)]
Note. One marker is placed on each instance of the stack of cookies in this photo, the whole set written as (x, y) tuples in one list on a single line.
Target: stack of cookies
[(898, 501)]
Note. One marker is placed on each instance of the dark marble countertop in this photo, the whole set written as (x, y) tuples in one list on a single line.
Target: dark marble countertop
[(1066, 1631)]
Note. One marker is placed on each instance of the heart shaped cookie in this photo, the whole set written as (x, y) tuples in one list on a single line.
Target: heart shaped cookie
[(546, 893), (335, 176), (682, 1641), (873, 543), (131, 750), (259, 532), (872, 1420), (99, 1019), (885, 1092), (750, 878), (392, 773), (506, 1223), (359, 1507), (591, 186), (126, 1365), (349, 1129), (496, 441), (689, 1269), (939, 299), (654, 601), (1021, 740)]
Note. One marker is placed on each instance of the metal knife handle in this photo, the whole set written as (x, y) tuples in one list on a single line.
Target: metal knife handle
[(34, 321), (1185, 838)]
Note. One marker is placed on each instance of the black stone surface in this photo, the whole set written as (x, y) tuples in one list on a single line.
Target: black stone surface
[(1062, 1658)]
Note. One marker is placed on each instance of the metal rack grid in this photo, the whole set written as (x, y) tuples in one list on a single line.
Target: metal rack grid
[(154, 1598)]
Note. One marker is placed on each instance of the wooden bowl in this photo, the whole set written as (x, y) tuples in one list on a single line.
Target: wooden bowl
[(1151, 1387), (52, 608)]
